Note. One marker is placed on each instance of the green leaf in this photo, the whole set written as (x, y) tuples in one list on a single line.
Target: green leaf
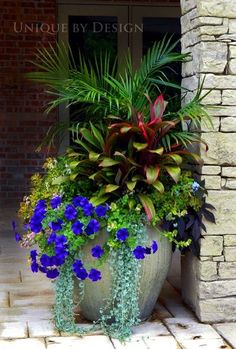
[(148, 206), (125, 129), (159, 186), (107, 162), (176, 158), (152, 173), (89, 137), (74, 164), (93, 156), (59, 180), (111, 187), (158, 151), (174, 171), (131, 185), (98, 200), (97, 134), (140, 146)]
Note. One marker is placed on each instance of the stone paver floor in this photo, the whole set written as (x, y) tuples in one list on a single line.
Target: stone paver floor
[(26, 301)]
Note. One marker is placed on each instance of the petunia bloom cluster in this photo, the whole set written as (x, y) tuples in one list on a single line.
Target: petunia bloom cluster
[(61, 229)]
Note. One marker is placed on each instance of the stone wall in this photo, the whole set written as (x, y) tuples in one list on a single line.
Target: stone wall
[(209, 33)]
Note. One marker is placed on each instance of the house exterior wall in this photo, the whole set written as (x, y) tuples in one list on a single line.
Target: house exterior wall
[(22, 123), (209, 33)]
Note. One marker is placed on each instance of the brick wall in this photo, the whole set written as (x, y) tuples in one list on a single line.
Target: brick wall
[(22, 123)]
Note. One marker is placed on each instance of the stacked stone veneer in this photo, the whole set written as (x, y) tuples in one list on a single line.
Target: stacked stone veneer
[(209, 33)]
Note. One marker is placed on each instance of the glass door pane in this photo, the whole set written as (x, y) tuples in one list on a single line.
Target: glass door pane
[(92, 29)]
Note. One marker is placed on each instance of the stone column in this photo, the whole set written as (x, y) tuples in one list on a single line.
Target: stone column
[(209, 33)]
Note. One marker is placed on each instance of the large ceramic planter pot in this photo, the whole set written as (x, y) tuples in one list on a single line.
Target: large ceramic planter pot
[(154, 269)]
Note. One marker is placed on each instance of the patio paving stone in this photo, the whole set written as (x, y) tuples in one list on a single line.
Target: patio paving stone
[(191, 335), (13, 330), (28, 343), (43, 328), (4, 300), (228, 332), (72, 342)]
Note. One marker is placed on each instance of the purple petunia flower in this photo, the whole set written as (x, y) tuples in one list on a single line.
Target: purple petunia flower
[(92, 227), (88, 209), (61, 252), (42, 269), (154, 246), (94, 275), (60, 240), (148, 250), (52, 238), (55, 202), (78, 199), (56, 226), (40, 205), (77, 227), (122, 234), (57, 260), (139, 252), (70, 212), (33, 255), (35, 227), (52, 273), (17, 237), (46, 261), (101, 210), (77, 265), (34, 267), (81, 274), (97, 251)]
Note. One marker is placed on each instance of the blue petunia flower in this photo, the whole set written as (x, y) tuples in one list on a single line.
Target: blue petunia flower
[(97, 251), (101, 210), (34, 267), (148, 250), (77, 265), (56, 226), (35, 227), (122, 234), (154, 246), (94, 275), (70, 212), (139, 252), (77, 200), (92, 227), (60, 240), (81, 274), (195, 186), (55, 202), (58, 261), (41, 204), (61, 252), (88, 209), (42, 269), (17, 237), (46, 261), (77, 227), (52, 273), (52, 238), (33, 255)]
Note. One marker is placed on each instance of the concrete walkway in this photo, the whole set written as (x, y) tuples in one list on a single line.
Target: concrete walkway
[(26, 301)]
